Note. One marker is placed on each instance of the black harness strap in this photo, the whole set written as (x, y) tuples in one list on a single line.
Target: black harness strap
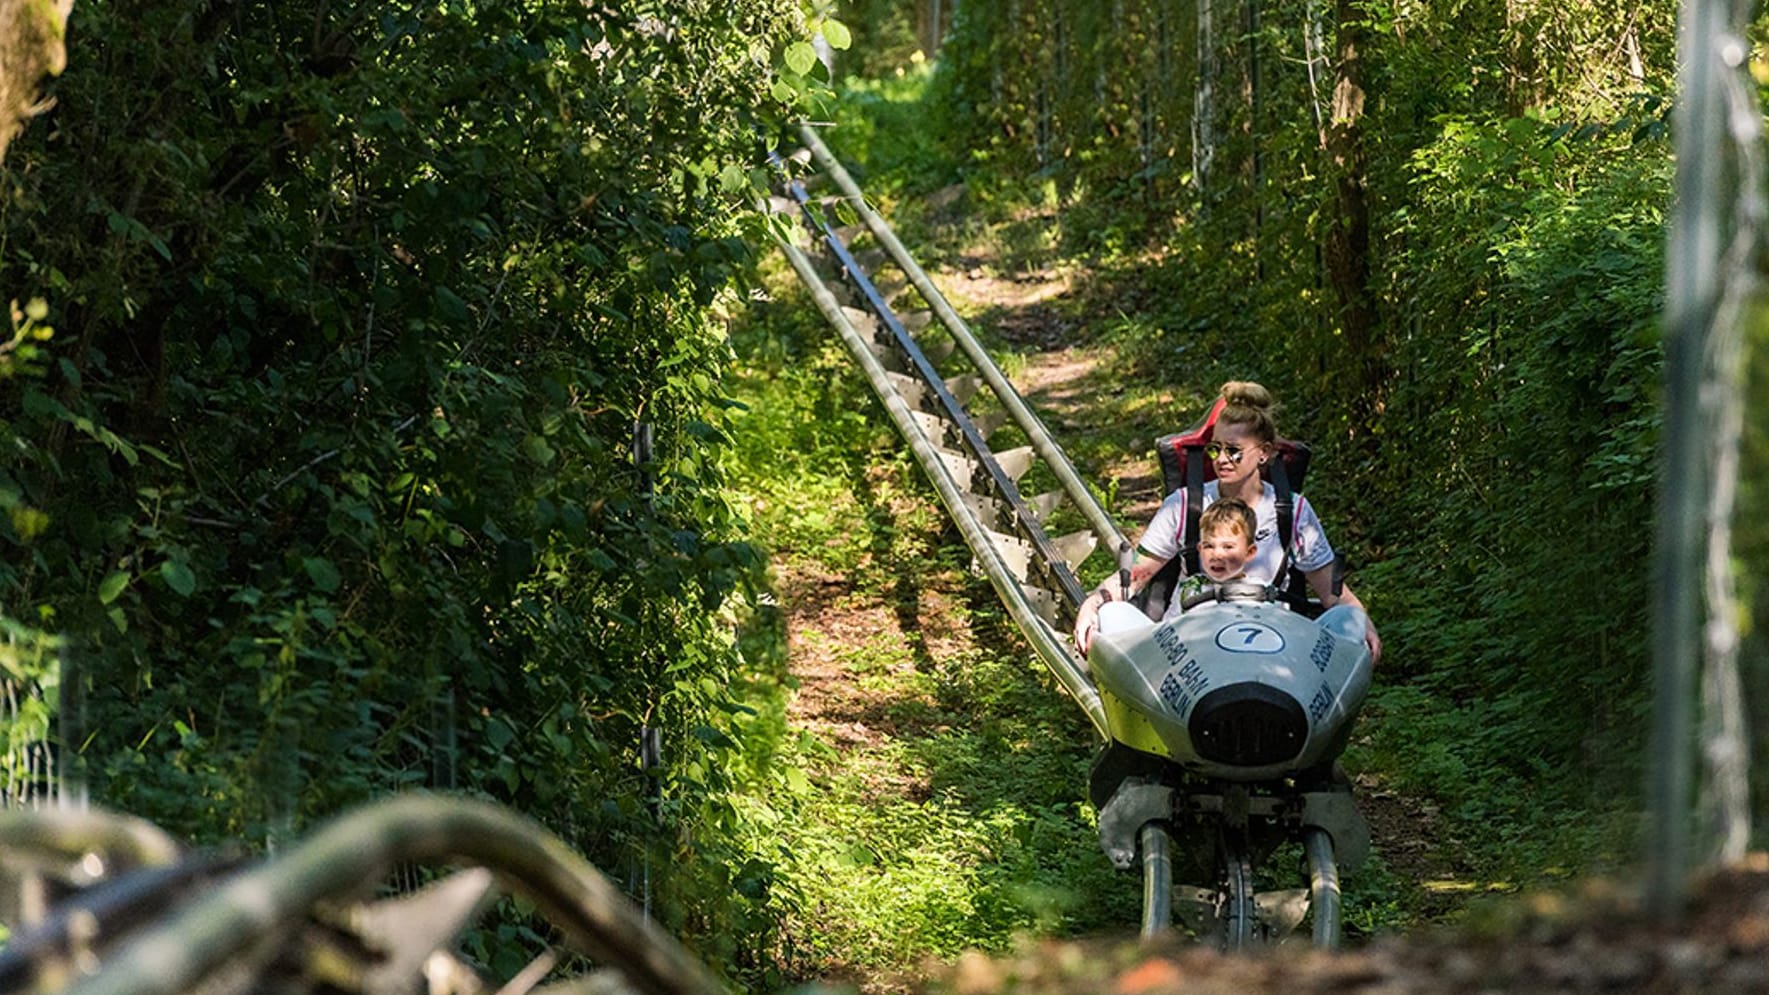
[(1292, 585), (1194, 506), (1286, 505)]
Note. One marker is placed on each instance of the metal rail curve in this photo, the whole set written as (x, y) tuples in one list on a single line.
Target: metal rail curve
[(361, 848)]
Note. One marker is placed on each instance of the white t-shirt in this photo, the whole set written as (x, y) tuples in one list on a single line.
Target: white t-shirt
[(1165, 535)]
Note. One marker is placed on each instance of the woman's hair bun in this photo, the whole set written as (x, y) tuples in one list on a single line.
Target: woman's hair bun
[(1246, 393)]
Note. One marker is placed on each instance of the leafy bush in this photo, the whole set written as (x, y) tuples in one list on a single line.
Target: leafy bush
[(330, 484)]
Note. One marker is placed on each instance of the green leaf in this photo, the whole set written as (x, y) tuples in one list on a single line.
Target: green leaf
[(178, 577), (800, 57), (836, 34), (733, 178), (451, 305), (535, 448), (112, 585), (498, 734), (321, 571)]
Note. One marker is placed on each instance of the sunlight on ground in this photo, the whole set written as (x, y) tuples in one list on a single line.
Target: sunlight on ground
[(1451, 886)]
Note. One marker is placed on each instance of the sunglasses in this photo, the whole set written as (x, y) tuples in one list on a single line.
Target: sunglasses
[(1216, 450)]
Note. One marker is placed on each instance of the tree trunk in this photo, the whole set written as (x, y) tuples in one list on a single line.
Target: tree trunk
[(31, 47), (1348, 235), (1204, 101), (1255, 167), (1314, 49), (930, 24)]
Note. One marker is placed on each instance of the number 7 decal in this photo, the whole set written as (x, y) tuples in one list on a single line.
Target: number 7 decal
[(1249, 637)]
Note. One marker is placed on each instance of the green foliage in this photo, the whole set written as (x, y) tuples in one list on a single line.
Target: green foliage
[(883, 131), (1751, 544), (1532, 404), (30, 657), (884, 37), (329, 482), (961, 822)]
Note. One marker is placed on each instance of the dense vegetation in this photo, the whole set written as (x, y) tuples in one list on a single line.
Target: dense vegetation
[(342, 328), (325, 482)]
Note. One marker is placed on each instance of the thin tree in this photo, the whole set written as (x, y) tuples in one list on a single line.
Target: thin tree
[(1204, 101), (1347, 242)]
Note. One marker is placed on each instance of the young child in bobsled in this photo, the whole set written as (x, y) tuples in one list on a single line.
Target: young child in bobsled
[(1227, 538)]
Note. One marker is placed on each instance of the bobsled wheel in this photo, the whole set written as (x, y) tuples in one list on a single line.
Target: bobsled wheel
[(1323, 886), (1239, 915)]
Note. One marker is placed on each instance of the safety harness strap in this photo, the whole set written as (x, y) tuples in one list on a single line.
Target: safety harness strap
[(1286, 505), (1194, 506)]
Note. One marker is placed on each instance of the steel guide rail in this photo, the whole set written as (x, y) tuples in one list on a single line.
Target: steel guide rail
[(1050, 646), (1045, 561), (1104, 528), (1025, 523)]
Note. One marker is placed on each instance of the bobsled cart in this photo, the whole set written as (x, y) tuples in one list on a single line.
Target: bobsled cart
[(1225, 724)]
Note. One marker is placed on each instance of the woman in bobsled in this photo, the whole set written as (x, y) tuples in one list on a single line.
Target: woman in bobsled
[(1229, 695), (1242, 444)]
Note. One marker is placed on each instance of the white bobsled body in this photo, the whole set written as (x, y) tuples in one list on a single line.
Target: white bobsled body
[(1242, 690)]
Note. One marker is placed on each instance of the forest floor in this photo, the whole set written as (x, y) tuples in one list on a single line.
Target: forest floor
[(1595, 940)]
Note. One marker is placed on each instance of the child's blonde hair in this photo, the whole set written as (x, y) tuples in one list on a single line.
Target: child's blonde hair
[(1232, 515)]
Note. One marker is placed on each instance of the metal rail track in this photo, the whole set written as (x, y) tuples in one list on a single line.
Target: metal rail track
[(1031, 571)]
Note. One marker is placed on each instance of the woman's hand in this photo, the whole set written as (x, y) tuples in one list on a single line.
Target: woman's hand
[(1112, 588), (1086, 620), (1087, 616)]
